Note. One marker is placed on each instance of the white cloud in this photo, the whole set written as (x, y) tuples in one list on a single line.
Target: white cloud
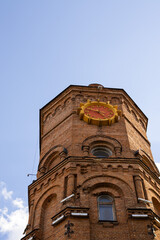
[(18, 202), (6, 194), (4, 211), (12, 222)]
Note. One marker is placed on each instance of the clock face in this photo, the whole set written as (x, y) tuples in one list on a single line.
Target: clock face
[(98, 112)]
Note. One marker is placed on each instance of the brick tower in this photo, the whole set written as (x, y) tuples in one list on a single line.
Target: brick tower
[(96, 178)]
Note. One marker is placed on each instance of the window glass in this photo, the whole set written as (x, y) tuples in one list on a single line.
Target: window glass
[(105, 199), (102, 152), (106, 213), (106, 208)]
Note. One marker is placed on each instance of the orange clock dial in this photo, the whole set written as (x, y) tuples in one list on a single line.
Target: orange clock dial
[(98, 112)]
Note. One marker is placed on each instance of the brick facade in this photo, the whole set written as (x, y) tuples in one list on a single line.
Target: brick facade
[(116, 186)]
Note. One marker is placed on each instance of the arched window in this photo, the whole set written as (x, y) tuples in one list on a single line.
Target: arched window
[(106, 208), (101, 152)]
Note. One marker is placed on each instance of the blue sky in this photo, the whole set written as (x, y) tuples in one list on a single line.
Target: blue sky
[(46, 46)]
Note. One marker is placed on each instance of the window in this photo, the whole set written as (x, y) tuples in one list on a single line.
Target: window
[(101, 152), (106, 208)]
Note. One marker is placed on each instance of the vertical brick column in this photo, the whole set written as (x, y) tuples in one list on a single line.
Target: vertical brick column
[(139, 187), (70, 184), (117, 151), (85, 150)]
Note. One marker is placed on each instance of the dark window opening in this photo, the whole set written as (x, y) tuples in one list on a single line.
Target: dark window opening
[(101, 152)]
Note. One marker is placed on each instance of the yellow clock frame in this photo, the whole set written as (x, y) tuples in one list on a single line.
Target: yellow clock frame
[(97, 121)]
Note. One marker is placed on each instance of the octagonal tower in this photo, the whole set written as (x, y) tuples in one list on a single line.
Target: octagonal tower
[(96, 177)]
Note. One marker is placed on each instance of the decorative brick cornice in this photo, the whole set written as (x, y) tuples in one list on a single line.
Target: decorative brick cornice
[(89, 160), (146, 212), (70, 212)]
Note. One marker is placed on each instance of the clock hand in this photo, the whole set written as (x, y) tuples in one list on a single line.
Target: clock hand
[(101, 114), (94, 110)]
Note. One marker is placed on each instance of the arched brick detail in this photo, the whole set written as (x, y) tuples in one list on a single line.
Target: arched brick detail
[(122, 188), (112, 189), (156, 205), (145, 158), (112, 143), (49, 193), (55, 152), (154, 197), (154, 194), (115, 100), (47, 212)]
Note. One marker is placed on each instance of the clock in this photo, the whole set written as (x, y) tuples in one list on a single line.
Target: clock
[(98, 113)]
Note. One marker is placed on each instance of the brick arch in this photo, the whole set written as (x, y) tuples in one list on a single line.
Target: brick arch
[(127, 106), (149, 163), (54, 152), (79, 98), (115, 100), (48, 194), (134, 115), (121, 186), (156, 205), (112, 143), (142, 124), (154, 197), (67, 102), (116, 188), (154, 193), (47, 212), (146, 159)]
